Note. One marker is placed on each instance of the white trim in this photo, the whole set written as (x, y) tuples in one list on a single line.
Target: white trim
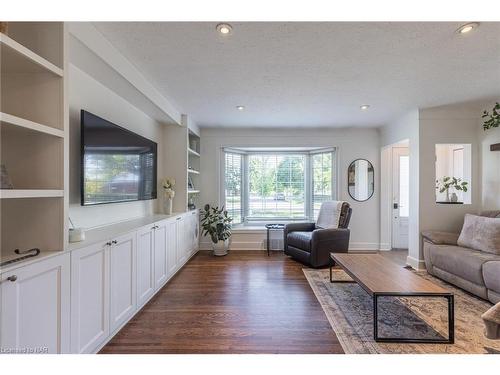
[(416, 264), (385, 247)]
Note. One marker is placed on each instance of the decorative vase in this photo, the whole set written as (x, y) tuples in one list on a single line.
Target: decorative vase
[(167, 206), (447, 195), (454, 198), (220, 248)]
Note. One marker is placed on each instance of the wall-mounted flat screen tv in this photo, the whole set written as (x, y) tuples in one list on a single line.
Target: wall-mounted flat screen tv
[(117, 164)]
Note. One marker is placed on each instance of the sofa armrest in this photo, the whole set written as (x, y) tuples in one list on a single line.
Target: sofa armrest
[(440, 238)]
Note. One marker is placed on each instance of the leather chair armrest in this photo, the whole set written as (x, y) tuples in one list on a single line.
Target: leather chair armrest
[(295, 227), (330, 234), (299, 227), (440, 238)]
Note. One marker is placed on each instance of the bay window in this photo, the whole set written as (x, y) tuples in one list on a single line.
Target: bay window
[(277, 185)]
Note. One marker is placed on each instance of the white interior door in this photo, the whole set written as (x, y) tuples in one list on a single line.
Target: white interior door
[(401, 197)]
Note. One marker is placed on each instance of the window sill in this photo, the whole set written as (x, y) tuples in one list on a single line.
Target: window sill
[(250, 229)]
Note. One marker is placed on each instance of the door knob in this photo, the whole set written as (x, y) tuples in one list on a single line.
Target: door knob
[(12, 278)]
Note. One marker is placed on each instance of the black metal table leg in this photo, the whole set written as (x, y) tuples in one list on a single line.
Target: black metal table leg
[(451, 320), (267, 241)]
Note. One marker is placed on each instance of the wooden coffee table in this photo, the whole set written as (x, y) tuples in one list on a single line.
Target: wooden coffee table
[(379, 277)]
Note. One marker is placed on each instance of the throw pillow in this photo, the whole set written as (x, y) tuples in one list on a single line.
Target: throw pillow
[(481, 233)]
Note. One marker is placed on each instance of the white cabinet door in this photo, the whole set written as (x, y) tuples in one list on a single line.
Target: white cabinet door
[(145, 263), (182, 245), (194, 231), (171, 247), (35, 305), (160, 254), (89, 298), (122, 259)]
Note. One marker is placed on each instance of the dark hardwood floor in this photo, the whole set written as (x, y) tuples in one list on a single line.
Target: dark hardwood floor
[(245, 302)]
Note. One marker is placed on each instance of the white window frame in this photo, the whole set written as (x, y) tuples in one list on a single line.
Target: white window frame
[(308, 183)]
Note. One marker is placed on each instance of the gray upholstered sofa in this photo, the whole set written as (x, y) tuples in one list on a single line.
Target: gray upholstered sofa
[(475, 271)]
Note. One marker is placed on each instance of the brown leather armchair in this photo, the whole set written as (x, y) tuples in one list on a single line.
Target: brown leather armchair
[(312, 244)]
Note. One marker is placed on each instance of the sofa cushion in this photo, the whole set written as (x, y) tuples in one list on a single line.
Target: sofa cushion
[(481, 233), (491, 275), (463, 262), (300, 240)]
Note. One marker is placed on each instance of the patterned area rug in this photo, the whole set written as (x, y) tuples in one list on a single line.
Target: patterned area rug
[(350, 312)]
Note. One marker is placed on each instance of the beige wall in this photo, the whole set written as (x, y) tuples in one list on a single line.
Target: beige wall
[(351, 144), (88, 94)]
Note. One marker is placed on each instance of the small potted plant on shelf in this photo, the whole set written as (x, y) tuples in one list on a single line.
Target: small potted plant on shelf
[(444, 184), (216, 223), (168, 188)]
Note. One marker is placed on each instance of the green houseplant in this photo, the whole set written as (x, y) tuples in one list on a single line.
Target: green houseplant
[(216, 223), (493, 118), (444, 184)]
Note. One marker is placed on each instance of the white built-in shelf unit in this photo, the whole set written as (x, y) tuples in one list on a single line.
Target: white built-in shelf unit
[(33, 136)]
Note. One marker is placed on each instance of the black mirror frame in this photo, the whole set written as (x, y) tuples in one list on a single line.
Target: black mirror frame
[(349, 167)]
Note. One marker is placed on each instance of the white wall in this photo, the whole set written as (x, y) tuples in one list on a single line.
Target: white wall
[(351, 144), (448, 124), (490, 167), (404, 129), (88, 94)]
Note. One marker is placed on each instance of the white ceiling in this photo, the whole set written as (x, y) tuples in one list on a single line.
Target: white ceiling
[(310, 74)]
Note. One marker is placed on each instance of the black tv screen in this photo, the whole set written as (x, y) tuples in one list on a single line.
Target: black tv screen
[(117, 164)]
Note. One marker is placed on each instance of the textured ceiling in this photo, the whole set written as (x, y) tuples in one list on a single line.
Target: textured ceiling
[(310, 74)]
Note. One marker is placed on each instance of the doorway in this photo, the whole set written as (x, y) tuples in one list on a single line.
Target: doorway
[(400, 197)]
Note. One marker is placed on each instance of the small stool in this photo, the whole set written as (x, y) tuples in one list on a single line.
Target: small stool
[(491, 320), (269, 228)]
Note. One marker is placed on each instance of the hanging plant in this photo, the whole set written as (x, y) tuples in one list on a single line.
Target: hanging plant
[(493, 119)]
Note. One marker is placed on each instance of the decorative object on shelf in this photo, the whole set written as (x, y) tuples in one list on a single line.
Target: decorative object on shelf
[(4, 28), (5, 182), (191, 204), (216, 223), (445, 183), (190, 183), (25, 255), (495, 147), (454, 197), (75, 234), (168, 188), (493, 118), (193, 144)]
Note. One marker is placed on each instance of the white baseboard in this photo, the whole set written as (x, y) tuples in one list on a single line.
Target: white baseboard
[(385, 247), (414, 263), (260, 245)]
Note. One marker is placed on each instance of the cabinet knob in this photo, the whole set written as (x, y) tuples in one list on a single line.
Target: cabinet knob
[(12, 278), (108, 243), (114, 242), (153, 227)]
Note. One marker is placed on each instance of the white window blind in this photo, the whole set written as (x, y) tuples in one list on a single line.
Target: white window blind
[(322, 180), (233, 186), (277, 186)]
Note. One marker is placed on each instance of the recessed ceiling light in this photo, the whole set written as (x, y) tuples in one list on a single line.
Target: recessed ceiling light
[(224, 28), (467, 28), (240, 107), (364, 107)]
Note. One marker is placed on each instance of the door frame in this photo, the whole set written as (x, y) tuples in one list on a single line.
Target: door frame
[(386, 193), (394, 190)]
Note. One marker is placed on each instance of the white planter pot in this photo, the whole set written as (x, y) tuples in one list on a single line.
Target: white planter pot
[(220, 248), (167, 206)]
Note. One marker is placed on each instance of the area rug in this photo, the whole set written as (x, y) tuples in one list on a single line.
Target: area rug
[(349, 310)]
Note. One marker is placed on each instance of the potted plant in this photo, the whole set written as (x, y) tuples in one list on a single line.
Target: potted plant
[(216, 223), (493, 118), (444, 184)]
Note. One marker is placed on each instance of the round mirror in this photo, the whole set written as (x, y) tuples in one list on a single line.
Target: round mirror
[(360, 180)]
